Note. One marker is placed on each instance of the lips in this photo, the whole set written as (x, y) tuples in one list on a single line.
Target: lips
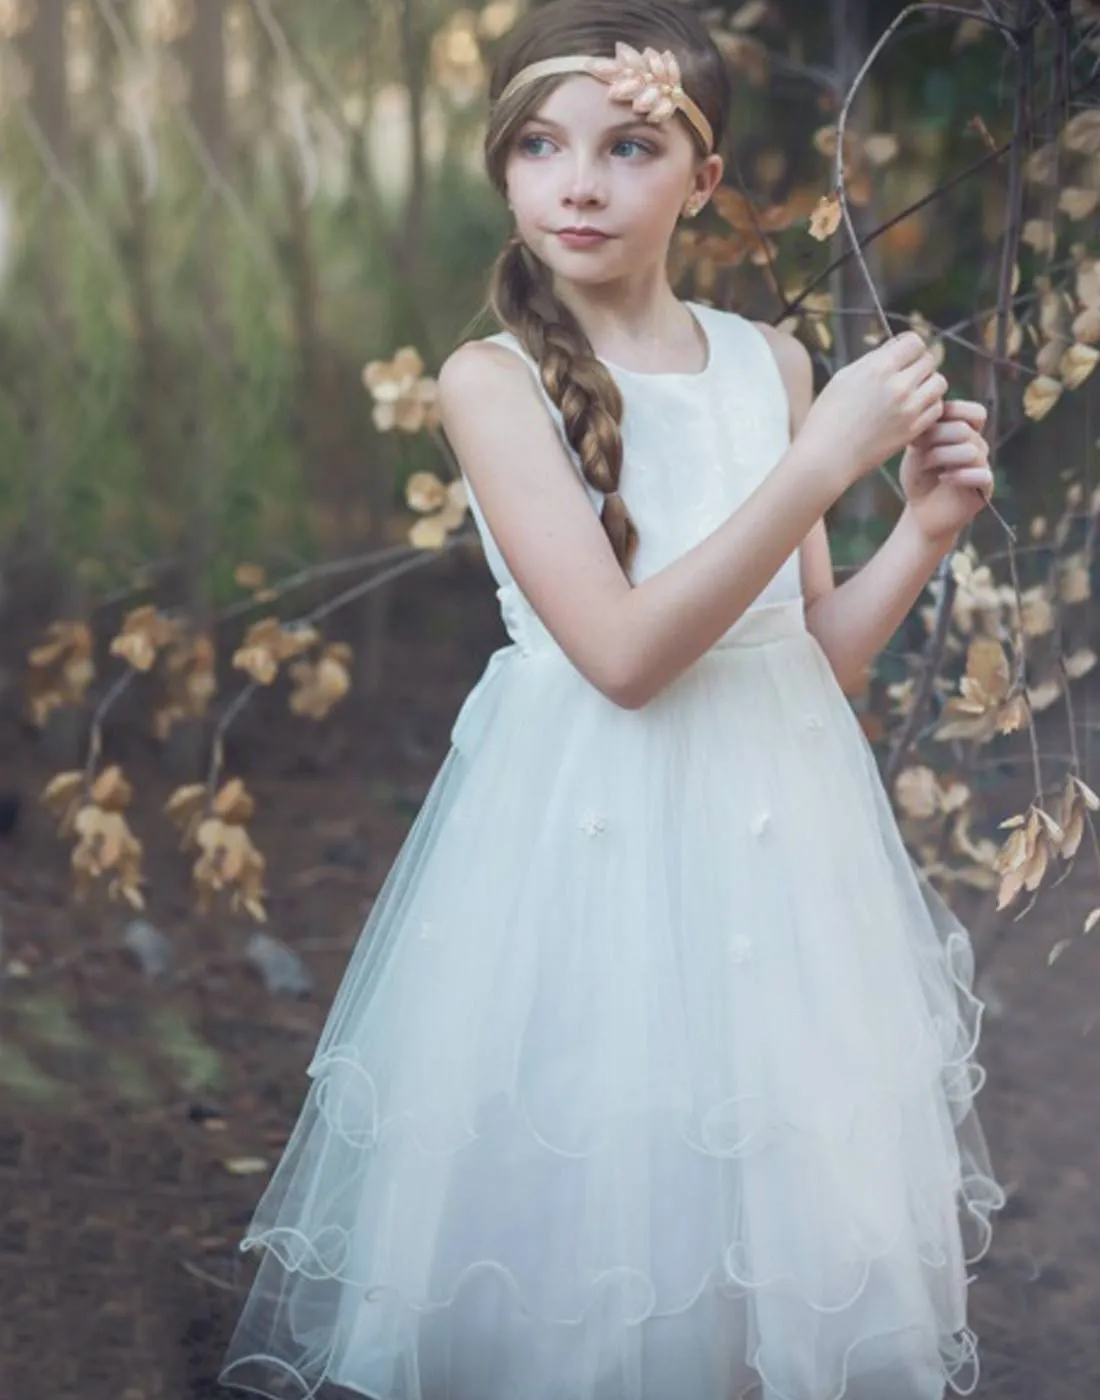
[(582, 237)]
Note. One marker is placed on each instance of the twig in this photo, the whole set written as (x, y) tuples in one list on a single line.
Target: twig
[(311, 573), (95, 743), (934, 650)]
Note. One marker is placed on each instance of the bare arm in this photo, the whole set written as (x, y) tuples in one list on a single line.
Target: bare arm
[(630, 642), (853, 622), (856, 620)]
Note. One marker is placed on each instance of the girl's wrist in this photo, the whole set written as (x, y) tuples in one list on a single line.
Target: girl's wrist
[(935, 546), (826, 474)]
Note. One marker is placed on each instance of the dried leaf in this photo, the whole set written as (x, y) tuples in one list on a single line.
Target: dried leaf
[(918, 792), (1043, 695), (1041, 167), (1080, 662), (185, 802), (233, 803), (62, 790), (1082, 132), (1040, 234), (402, 397), (1077, 364), (1078, 203), (1091, 800), (1086, 326), (425, 492), (881, 147), (110, 790), (428, 533), (825, 220), (144, 631), (318, 688), (1075, 584), (250, 576), (1040, 396)]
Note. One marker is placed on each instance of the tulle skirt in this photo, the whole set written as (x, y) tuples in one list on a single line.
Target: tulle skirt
[(651, 1076)]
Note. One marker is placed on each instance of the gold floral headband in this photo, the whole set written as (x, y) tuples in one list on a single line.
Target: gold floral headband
[(649, 80)]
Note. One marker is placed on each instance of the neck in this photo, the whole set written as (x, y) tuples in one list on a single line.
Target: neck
[(631, 319)]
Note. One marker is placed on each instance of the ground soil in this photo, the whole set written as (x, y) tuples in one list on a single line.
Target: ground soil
[(119, 1277)]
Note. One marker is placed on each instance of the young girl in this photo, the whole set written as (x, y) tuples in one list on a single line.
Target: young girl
[(652, 1074)]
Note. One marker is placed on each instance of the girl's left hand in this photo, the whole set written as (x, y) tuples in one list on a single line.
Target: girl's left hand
[(942, 467)]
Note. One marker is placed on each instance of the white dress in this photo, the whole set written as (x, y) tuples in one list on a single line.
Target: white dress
[(651, 1074)]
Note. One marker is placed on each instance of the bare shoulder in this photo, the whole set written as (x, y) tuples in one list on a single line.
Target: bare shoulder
[(476, 368), (795, 367), (791, 355)]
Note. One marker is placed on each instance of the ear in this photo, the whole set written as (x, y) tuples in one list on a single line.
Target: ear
[(707, 178)]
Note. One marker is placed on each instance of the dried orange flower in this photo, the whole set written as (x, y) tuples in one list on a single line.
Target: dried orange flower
[(432, 531), (144, 632), (321, 685), (268, 643), (190, 680), (60, 670), (403, 396), (229, 861)]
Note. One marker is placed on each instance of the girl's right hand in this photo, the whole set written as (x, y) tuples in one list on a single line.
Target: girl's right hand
[(878, 404)]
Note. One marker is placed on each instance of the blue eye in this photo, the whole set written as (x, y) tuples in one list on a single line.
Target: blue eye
[(630, 141), (527, 142)]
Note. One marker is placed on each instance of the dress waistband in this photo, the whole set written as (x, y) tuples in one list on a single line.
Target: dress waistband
[(769, 622)]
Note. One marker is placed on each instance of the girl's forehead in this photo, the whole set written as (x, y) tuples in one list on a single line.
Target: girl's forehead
[(583, 102)]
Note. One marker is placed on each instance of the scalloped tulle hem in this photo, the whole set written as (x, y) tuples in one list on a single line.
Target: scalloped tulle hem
[(957, 1367), (307, 1261)]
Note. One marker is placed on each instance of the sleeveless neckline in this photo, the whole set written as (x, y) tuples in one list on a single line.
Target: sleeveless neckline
[(697, 313)]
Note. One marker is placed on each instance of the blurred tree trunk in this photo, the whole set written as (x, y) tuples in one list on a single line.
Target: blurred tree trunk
[(204, 49), (406, 321), (151, 361), (207, 110), (44, 47), (848, 25)]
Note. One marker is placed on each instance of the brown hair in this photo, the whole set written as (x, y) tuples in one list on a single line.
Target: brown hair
[(520, 290)]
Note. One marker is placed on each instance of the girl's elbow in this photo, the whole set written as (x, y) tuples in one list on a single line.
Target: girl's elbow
[(617, 676)]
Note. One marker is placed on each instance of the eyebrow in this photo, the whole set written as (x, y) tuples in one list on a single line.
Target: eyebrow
[(619, 126)]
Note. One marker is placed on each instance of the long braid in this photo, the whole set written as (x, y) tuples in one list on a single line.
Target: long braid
[(577, 383)]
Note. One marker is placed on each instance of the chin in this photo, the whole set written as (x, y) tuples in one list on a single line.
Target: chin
[(585, 267)]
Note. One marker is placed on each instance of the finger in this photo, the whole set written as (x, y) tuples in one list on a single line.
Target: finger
[(930, 391), (916, 371), (907, 348), (926, 420), (946, 433), (966, 411), (981, 477), (966, 454)]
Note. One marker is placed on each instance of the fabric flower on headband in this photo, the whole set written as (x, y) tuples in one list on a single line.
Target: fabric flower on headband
[(649, 80)]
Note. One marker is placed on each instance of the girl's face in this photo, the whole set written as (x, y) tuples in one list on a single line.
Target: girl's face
[(586, 161)]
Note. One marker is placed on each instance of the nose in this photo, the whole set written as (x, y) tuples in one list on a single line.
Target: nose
[(584, 185)]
